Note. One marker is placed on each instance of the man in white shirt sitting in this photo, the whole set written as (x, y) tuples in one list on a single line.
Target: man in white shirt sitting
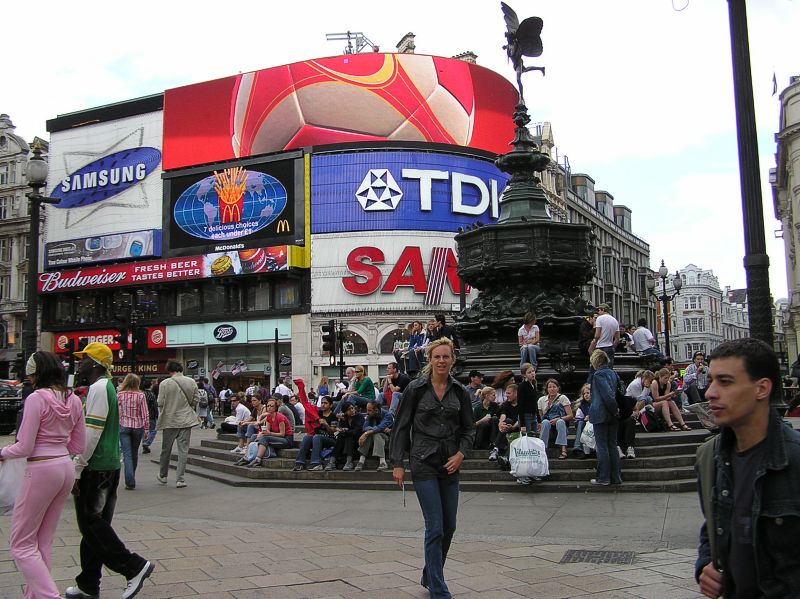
[(643, 340)]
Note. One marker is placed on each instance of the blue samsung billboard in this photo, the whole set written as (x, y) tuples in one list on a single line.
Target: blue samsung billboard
[(402, 190)]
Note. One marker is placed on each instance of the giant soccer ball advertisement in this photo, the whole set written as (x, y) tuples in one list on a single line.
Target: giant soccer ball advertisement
[(342, 99)]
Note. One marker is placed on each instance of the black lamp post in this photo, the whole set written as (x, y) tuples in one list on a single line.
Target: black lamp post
[(36, 175), (677, 283)]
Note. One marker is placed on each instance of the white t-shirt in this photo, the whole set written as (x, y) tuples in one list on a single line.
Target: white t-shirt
[(241, 413), (300, 410), (561, 399), (642, 338), (283, 390), (528, 336), (608, 326), (637, 390), (252, 390)]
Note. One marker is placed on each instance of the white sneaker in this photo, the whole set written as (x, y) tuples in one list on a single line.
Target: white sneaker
[(631, 453), (493, 455), (237, 450), (135, 583), (76, 593), (619, 449), (524, 480), (685, 411)]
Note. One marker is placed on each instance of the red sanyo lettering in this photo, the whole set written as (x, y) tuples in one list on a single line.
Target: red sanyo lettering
[(408, 271)]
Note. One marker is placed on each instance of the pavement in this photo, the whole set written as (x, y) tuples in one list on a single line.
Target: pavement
[(212, 540)]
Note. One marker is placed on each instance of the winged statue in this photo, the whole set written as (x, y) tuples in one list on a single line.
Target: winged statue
[(524, 39)]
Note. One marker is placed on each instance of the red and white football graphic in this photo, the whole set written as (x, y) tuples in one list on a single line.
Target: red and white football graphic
[(353, 98)]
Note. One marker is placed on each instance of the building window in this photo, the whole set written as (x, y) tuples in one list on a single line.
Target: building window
[(4, 174), (353, 343), (5, 208), (5, 287), (287, 294), (691, 302), (213, 298), (188, 303), (394, 340), (5, 250), (23, 292), (257, 297)]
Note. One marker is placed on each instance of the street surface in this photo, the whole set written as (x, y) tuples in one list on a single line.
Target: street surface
[(212, 540)]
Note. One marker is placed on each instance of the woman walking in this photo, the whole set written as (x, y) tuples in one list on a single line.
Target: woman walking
[(52, 428), (603, 413), (134, 419), (434, 422)]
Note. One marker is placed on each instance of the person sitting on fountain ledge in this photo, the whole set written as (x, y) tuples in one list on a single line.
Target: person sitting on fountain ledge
[(508, 422), (377, 427)]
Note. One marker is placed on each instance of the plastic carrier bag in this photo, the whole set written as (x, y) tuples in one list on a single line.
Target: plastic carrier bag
[(587, 436), (528, 458), (11, 474)]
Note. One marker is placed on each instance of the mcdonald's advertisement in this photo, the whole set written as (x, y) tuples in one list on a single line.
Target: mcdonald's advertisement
[(216, 264), (235, 206)]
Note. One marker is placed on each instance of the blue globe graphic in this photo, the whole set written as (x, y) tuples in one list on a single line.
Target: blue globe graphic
[(197, 210)]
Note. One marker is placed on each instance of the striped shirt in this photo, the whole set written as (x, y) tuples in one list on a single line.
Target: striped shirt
[(132, 409)]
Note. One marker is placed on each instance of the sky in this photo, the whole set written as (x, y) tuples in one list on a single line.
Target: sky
[(639, 92)]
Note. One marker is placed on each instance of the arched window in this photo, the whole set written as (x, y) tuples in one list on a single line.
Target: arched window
[(354, 343), (397, 336)]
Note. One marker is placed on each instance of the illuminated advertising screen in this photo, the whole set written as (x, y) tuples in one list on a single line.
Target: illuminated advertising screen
[(235, 206), (103, 248), (402, 190), (341, 99), (107, 177)]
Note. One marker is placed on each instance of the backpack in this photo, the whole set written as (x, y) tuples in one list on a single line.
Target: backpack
[(650, 421), (202, 394)]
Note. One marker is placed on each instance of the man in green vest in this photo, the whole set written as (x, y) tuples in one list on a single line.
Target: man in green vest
[(97, 477)]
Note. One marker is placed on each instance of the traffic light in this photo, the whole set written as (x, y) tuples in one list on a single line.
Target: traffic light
[(122, 339), (329, 338)]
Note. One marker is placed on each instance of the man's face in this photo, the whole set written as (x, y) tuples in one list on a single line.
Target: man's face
[(698, 360), (475, 381), (351, 411), (85, 368), (391, 370), (511, 394), (732, 396), (326, 405), (371, 411)]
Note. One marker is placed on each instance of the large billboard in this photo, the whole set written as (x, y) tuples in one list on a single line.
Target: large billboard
[(103, 248), (395, 190), (341, 99), (107, 177), (399, 270), (235, 205)]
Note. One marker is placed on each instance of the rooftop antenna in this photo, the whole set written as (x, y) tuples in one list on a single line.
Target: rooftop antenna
[(361, 41)]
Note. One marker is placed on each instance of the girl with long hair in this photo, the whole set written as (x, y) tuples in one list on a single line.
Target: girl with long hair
[(52, 429), (133, 421)]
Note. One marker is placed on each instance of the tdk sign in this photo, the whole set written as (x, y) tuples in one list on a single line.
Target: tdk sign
[(106, 177), (373, 191)]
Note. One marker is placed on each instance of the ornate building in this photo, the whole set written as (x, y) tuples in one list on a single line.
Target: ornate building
[(14, 227), (785, 179)]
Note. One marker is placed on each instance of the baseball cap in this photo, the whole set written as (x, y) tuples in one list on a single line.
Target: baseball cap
[(99, 352), (475, 373)]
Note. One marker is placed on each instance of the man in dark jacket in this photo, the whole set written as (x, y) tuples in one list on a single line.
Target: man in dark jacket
[(377, 426), (748, 480), (350, 427)]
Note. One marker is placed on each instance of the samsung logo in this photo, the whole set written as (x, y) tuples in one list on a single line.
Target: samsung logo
[(106, 177)]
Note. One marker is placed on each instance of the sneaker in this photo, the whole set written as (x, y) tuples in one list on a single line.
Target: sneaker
[(316, 468), (493, 455), (145, 449), (685, 411), (348, 466), (130, 487), (383, 467), (237, 449), (594, 481), (524, 480), (631, 453), (254, 463), (76, 593), (161, 479), (135, 583), (619, 449), (298, 467), (359, 467), (330, 466), (241, 462), (180, 484)]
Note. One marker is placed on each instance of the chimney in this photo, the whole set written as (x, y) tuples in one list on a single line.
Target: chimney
[(406, 45)]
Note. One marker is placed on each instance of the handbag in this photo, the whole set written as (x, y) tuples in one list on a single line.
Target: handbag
[(12, 473)]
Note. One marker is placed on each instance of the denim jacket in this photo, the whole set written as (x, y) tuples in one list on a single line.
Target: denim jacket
[(776, 512)]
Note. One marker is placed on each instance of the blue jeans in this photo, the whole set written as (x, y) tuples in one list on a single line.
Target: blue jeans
[(561, 432), (129, 440), (439, 502), (358, 400), (529, 421), (528, 354), (151, 433), (396, 397), (608, 463), (316, 443)]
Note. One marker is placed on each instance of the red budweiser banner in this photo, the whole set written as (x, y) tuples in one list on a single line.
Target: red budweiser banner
[(234, 262)]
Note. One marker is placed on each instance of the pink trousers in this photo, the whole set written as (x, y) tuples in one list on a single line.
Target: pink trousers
[(45, 489)]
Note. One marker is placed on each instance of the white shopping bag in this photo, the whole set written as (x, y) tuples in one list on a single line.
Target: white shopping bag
[(11, 474), (528, 458), (587, 436)]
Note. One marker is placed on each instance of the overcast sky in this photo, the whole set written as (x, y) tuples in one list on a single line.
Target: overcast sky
[(639, 92)]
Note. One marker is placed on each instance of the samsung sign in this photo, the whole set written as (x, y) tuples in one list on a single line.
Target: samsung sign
[(392, 191)]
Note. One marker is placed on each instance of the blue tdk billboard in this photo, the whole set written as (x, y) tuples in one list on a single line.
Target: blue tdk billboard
[(402, 190)]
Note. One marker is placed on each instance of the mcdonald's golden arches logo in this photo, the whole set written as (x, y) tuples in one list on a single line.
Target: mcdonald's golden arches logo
[(283, 226)]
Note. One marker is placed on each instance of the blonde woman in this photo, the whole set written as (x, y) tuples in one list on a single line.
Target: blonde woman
[(133, 422), (604, 414), (434, 422), (581, 409)]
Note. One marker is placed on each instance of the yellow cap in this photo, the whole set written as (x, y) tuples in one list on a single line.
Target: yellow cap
[(99, 352)]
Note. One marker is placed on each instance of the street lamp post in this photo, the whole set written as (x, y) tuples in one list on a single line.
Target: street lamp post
[(36, 175), (677, 283)]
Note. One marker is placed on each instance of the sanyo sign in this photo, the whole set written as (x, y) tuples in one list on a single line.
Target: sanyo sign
[(403, 191)]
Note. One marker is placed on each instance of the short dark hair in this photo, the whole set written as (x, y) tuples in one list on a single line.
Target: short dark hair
[(440, 318), (642, 322), (173, 366), (698, 353), (49, 371), (392, 364), (374, 404), (760, 360)]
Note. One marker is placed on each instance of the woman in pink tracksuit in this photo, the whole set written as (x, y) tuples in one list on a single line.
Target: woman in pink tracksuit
[(52, 428)]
